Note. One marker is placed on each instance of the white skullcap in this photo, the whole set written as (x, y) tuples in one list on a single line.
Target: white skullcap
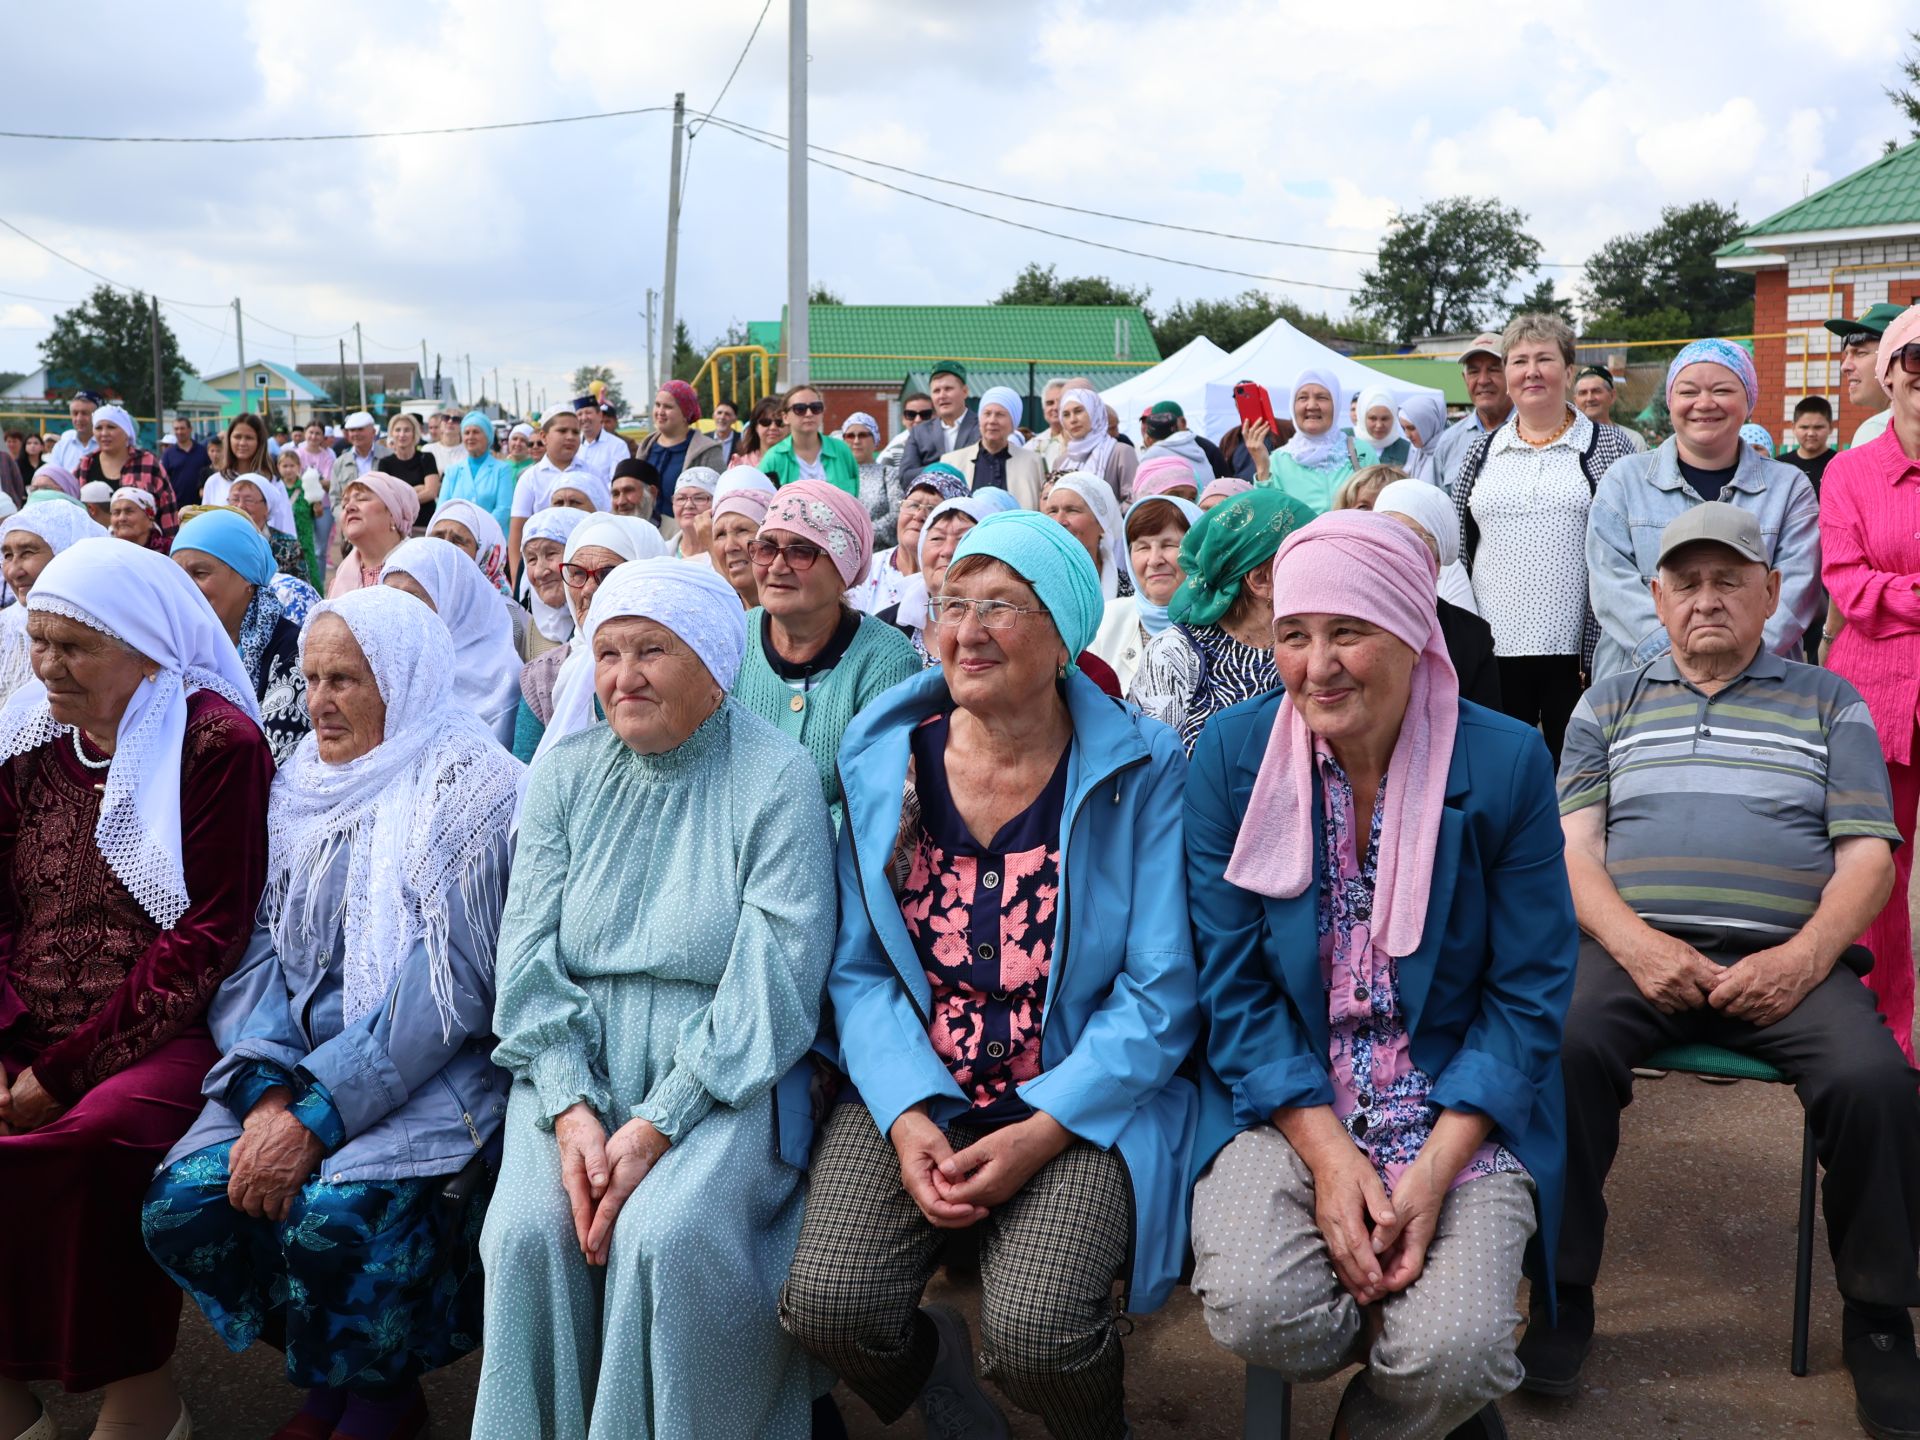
[(96, 492)]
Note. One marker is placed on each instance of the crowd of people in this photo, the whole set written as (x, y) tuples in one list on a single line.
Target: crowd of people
[(630, 908)]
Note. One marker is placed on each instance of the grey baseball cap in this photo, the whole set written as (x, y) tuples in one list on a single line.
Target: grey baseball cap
[(1720, 523)]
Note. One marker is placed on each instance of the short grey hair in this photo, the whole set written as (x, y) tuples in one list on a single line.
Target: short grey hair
[(1538, 325)]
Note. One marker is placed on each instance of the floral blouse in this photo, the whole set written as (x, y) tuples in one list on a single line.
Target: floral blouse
[(1379, 1094), (982, 920)]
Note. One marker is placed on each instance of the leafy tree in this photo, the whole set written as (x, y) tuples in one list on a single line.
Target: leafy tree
[(105, 343), (587, 374), (1447, 267), (821, 295), (11, 377), (1543, 299), (1669, 269), (1906, 95), (1230, 323), (1041, 285)]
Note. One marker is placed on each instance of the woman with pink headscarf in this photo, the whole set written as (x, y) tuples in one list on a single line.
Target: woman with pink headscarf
[(1386, 954), (813, 661), (377, 512)]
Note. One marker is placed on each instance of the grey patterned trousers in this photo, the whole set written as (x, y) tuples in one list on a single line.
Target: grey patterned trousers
[(1271, 1295), (1049, 1257)]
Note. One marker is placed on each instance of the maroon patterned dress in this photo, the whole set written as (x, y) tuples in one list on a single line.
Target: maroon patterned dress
[(107, 1009)]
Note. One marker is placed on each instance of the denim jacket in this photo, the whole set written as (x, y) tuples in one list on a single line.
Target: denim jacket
[(1639, 495)]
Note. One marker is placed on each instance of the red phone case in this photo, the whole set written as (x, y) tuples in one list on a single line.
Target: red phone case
[(1250, 398)]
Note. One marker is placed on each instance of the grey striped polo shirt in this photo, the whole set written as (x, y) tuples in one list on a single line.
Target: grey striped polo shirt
[(1723, 810)]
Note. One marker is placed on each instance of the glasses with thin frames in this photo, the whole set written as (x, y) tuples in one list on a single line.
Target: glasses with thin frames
[(576, 576), (800, 555), (993, 614)]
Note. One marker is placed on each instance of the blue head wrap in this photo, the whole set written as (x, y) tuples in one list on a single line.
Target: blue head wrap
[(941, 478), (992, 500), (474, 417), (230, 538), (1723, 353), (1753, 434), (1045, 554)]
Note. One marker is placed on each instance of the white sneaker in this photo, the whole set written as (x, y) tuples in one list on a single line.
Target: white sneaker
[(952, 1402), (42, 1429)]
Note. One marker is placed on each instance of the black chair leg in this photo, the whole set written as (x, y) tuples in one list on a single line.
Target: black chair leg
[(1268, 1413), (1803, 1259)]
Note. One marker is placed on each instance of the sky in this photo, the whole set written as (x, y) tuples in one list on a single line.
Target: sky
[(531, 250)]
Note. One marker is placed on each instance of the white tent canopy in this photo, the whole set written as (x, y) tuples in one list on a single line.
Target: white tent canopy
[(1182, 378), (1275, 357)]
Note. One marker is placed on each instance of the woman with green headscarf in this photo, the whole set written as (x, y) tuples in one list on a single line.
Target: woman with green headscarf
[(1219, 649)]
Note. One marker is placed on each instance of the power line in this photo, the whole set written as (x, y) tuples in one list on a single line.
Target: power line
[(741, 60), (313, 139)]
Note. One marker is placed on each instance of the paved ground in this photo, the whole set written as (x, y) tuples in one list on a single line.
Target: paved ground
[(1694, 1312)]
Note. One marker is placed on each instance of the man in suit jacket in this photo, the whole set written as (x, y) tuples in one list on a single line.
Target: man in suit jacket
[(996, 460), (953, 425)]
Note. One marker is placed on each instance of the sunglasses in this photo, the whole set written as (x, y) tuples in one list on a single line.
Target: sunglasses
[(807, 407), (1908, 358), (577, 576), (800, 555), (917, 415)]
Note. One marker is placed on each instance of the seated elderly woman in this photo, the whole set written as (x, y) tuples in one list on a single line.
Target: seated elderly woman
[(581, 489), (543, 548), (377, 512), (1085, 505), (738, 513), (1218, 650), (693, 512), (354, 1076), (133, 807), (814, 662), (1031, 804), (556, 698), (895, 566), (230, 564), (661, 959), (56, 478), (1386, 953), (28, 540), (1166, 472), (477, 535), (945, 526), (1157, 526), (264, 501), (130, 516), (486, 667)]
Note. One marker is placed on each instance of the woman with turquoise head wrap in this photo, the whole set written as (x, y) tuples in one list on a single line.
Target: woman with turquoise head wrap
[(234, 567), (479, 475), (1068, 1147)]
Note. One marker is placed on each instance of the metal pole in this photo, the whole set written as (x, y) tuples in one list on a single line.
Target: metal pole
[(470, 394), (516, 395), (343, 377), (240, 346), (667, 347), (159, 377), (799, 342), (360, 361), (653, 374)]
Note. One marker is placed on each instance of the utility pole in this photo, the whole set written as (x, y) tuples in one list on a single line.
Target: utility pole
[(516, 394), (423, 362), (360, 361), (799, 341), (343, 377), (496, 387), (653, 375), (673, 238), (240, 345), (159, 377), (470, 395)]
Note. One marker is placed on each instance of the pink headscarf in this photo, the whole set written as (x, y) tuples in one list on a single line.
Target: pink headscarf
[(1904, 330), (1353, 562), (751, 503), (1160, 473), (1226, 487), (395, 494), (832, 519), (683, 396)]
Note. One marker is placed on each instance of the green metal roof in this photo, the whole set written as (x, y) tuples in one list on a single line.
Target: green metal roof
[(1442, 375), (980, 380), (1887, 192), (878, 344)]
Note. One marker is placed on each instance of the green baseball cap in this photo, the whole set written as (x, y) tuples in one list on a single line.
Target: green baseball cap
[(949, 367), (1875, 321), (1168, 407)]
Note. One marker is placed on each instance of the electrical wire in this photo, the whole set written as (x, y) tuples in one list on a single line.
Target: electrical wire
[(738, 62), (344, 135)]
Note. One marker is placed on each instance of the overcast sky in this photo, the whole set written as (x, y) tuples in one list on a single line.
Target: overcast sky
[(532, 250)]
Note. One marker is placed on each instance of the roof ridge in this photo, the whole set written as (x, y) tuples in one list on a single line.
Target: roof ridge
[(1795, 217)]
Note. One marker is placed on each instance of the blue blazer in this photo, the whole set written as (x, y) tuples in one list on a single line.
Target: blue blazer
[(1121, 1012), (1485, 995)]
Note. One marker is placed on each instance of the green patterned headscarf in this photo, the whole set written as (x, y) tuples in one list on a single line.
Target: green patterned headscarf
[(1230, 540)]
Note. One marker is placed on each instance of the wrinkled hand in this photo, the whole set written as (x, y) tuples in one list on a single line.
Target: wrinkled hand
[(274, 1156), (636, 1147), (27, 1105), (992, 1170), (1763, 987), (583, 1165), (923, 1149), (1670, 973), (1346, 1193), (1402, 1242)]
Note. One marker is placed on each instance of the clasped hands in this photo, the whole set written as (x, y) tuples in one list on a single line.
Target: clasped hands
[(26, 1105), (274, 1156), (1760, 988), (958, 1188), (1378, 1244), (600, 1173)]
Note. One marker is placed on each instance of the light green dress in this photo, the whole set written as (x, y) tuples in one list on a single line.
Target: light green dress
[(662, 955)]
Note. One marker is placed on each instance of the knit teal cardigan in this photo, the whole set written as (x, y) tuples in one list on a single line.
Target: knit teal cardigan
[(879, 658)]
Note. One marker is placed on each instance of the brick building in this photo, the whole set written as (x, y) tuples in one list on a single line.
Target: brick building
[(1833, 254)]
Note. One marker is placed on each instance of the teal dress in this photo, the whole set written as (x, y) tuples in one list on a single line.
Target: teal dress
[(662, 956), (1314, 486)]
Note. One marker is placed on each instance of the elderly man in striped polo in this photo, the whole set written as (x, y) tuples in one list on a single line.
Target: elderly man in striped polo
[(1729, 837)]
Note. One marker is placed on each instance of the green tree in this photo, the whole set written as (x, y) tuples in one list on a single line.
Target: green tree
[(105, 343), (1231, 322), (1041, 285), (1543, 299), (1447, 267), (821, 295), (1667, 270), (1906, 95), (687, 360), (587, 374)]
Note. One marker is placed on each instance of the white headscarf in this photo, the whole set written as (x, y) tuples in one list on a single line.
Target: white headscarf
[(1377, 397), (419, 812), (1433, 508), (744, 477), (138, 496), (144, 600), (117, 417), (1091, 453), (632, 539), (486, 667), (489, 543), (913, 594), (1429, 416), (598, 492), (60, 526), (219, 490), (1113, 530), (1317, 450), (556, 522)]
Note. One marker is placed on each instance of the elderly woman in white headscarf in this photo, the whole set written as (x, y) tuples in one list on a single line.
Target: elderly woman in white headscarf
[(1321, 454), (653, 989), (1083, 503), (133, 805), (130, 515), (1423, 420), (355, 1079), (1377, 429), (693, 496), (1083, 415), (946, 526), (264, 501), (556, 691), (1428, 512), (543, 546), (486, 667), (28, 540)]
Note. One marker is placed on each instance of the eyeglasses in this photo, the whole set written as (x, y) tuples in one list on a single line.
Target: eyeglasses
[(993, 614), (577, 576), (800, 555), (917, 415), (1908, 357), (807, 407)]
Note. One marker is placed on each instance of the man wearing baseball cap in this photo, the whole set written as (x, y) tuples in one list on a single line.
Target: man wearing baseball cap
[(78, 442), (953, 426), (1163, 427), (1859, 348), (1729, 832), (1484, 363)]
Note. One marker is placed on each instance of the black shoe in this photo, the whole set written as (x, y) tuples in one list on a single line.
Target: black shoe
[(1487, 1425), (1552, 1354), (1880, 1357)]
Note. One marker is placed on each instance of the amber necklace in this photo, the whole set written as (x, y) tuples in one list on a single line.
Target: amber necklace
[(1566, 424)]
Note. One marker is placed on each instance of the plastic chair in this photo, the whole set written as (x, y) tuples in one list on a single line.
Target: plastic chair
[(1714, 1060), (1269, 1406)]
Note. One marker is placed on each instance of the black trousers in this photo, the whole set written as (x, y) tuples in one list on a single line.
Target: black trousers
[(1857, 1088), (1541, 690)]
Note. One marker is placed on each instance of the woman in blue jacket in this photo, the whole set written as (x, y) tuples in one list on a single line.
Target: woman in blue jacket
[(1012, 990), (1384, 1128)]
